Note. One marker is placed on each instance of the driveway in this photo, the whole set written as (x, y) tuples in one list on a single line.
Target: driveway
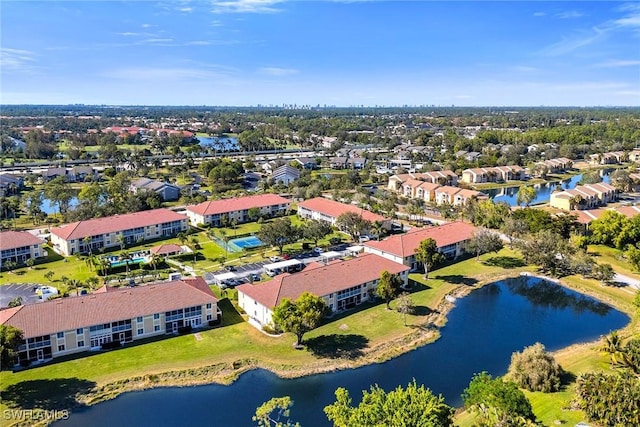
[(630, 281), (13, 290)]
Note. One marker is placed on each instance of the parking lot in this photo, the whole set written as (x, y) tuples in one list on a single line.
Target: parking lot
[(14, 290), (243, 272)]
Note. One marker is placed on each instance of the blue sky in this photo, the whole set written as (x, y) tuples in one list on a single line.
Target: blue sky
[(249, 52)]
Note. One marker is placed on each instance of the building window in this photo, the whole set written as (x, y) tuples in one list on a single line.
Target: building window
[(156, 328), (140, 331), (80, 343), (156, 316), (209, 305), (209, 317), (79, 331), (61, 347), (139, 319), (60, 334)]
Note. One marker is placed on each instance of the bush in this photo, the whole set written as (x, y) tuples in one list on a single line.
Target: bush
[(185, 329), (535, 369), (111, 345)]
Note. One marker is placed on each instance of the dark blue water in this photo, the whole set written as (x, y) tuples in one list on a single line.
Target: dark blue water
[(543, 191), (483, 330)]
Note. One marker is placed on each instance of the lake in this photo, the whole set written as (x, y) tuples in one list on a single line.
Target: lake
[(49, 207), (543, 191), (225, 143), (483, 329)]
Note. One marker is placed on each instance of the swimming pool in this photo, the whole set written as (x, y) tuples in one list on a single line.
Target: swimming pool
[(132, 261)]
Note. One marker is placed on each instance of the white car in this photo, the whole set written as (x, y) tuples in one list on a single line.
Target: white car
[(318, 250), (275, 259)]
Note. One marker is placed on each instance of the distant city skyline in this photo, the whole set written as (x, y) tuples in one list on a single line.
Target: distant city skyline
[(331, 52)]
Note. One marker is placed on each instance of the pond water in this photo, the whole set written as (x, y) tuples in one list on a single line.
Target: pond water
[(225, 143), (49, 207), (483, 330), (543, 191)]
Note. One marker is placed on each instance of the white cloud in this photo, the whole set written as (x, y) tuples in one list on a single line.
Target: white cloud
[(635, 93), (569, 44), (185, 9), (277, 71), (569, 14), (159, 74), (216, 23), (147, 25), (616, 63), (198, 43), (245, 6), (538, 14), (14, 59)]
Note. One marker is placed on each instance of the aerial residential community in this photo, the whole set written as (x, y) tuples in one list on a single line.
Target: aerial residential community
[(347, 214)]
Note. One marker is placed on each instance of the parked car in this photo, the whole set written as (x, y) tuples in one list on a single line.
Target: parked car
[(275, 259), (318, 250), (286, 256), (256, 277), (231, 268)]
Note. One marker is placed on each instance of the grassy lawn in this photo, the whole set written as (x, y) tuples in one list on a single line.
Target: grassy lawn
[(342, 340), (580, 358), (369, 326), (607, 255)]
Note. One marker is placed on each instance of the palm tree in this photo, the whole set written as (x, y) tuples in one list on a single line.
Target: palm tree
[(86, 241), (126, 257), (154, 261), (120, 241), (378, 228), (225, 239), (92, 282), (75, 284)]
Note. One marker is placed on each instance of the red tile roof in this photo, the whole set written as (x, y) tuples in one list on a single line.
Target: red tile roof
[(237, 204), (66, 314), (629, 211), (17, 239), (335, 209), (166, 249), (404, 245), (112, 224), (321, 280)]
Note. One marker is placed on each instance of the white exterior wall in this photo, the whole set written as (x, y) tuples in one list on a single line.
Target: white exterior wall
[(256, 311)]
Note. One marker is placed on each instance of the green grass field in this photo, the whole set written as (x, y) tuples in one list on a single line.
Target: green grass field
[(236, 340), (367, 327)]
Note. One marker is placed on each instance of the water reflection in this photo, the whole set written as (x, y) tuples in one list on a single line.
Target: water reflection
[(550, 295), (543, 190)]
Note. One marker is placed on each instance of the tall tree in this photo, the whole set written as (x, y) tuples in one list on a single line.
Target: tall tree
[(525, 195), (405, 306), (353, 224), (414, 406), (301, 316), (388, 287), (59, 192), (278, 233), (483, 241), (10, 339), (427, 254), (315, 230)]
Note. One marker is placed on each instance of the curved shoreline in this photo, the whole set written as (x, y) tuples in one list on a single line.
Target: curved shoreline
[(226, 373), (423, 334)]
